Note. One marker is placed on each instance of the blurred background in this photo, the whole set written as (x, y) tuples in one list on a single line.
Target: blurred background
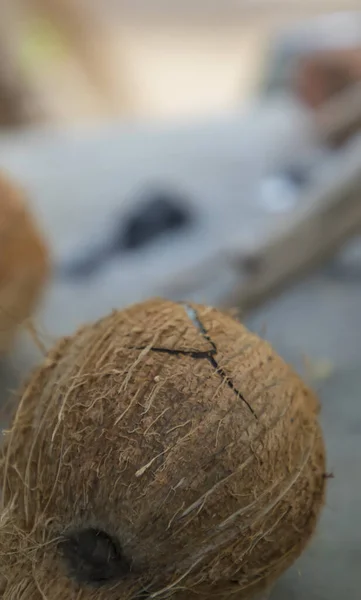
[(204, 150), (66, 61)]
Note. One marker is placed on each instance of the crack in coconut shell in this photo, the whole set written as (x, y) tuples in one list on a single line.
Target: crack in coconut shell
[(201, 355)]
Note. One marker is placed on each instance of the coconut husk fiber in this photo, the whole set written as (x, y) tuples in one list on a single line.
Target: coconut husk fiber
[(23, 262), (162, 452)]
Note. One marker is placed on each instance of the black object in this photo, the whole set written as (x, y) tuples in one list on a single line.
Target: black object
[(297, 176), (159, 214)]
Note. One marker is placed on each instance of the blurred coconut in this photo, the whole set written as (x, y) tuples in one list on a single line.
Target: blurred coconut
[(162, 452), (23, 262)]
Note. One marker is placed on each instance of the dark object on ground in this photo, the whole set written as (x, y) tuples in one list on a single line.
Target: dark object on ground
[(297, 176), (159, 214)]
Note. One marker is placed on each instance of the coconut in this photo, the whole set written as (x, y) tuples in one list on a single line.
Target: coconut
[(23, 262), (162, 452)]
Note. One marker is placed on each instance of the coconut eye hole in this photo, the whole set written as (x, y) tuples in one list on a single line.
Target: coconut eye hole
[(94, 557)]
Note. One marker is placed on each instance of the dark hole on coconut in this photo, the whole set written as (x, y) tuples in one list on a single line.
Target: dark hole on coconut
[(94, 557)]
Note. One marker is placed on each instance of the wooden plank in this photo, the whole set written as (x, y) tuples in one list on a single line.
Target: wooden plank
[(313, 234), (340, 118)]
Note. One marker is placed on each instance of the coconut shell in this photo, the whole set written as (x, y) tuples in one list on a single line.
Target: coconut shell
[(23, 262), (162, 452)]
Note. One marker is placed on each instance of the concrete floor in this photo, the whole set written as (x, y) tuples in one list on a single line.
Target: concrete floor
[(318, 319)]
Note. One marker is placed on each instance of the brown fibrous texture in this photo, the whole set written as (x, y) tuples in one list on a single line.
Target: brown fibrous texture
[(179, 433), (24, 262)]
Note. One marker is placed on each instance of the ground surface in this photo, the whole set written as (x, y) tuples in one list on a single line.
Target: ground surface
[(319, 319)]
